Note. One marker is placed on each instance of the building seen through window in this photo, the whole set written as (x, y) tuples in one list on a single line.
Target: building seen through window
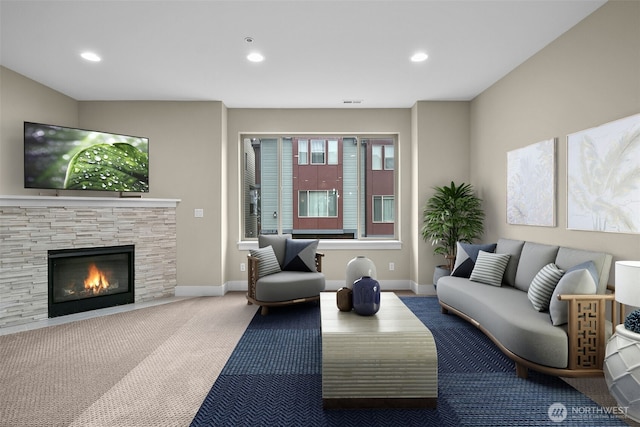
[(331, 187)]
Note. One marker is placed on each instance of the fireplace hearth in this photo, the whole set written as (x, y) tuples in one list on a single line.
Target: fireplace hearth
[(90, 278)]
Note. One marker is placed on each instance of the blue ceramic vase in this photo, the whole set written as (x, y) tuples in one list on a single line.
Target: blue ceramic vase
[(366, 296)]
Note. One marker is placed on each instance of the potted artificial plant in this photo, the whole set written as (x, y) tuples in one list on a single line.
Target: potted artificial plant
[(453, 214)]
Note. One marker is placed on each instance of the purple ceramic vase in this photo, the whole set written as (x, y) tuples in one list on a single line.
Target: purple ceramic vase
[(366, 296)]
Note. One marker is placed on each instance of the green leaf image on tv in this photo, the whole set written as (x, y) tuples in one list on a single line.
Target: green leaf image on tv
[(118, 167), (62, 158)]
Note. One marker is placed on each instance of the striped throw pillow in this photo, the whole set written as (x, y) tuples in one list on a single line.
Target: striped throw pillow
[(268, 262), (542, 286), (489, 268), (466, 256)]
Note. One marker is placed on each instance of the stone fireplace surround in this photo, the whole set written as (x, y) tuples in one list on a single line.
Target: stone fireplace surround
[(30, 226)]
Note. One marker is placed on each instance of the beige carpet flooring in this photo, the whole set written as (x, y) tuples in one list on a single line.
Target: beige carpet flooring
[(147, 367), (142, 368)]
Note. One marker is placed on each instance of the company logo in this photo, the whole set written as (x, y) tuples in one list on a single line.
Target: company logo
[(557, 412)]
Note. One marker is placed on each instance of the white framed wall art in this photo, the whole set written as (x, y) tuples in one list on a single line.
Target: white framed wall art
[(603, 177), (531, 184)]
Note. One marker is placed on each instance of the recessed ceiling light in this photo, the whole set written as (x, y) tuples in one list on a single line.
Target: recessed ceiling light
[(90, 56), (255, 57), (419, 57)]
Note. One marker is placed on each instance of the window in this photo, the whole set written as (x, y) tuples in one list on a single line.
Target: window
[(388, 158), (376, 157), (317, 151), (319, 186), (317, 203), (382, 157), (332, 146), (383, 208), (303, 152)]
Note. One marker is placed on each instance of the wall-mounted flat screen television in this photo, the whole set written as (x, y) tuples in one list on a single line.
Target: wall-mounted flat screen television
[(63, 158)]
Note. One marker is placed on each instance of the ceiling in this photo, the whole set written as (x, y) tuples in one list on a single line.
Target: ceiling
[(318, 53)]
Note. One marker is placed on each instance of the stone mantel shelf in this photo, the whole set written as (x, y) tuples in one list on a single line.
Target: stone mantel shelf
[(93, 202)]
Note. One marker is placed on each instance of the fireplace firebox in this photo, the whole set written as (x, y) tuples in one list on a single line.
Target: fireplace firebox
[(90, 278)]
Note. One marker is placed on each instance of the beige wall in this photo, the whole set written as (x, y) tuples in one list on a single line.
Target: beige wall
[(22, 99), (186, 162), (587, 77), (440, 154)]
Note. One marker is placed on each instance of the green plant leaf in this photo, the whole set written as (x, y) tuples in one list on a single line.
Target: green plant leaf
[(453, 214), (116, 167)]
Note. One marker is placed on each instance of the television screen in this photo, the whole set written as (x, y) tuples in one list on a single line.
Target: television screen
[(62, 158)]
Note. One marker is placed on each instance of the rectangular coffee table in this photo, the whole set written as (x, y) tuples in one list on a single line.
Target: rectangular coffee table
[(388, 360)]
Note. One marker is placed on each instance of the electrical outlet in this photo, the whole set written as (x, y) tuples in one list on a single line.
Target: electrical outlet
[(243, 266), (198, 213), (392, 266)]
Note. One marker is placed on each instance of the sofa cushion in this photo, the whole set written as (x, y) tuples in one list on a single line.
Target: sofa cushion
[(489, 268), (300, 255), (268, 262), (533, 257), (466, 255), (277, 241), (289, 285), (513, 248), (578, 280), (569, 257), (542, 286)]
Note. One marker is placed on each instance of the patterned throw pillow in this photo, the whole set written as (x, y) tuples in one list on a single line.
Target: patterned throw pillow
[(581, 279), (300, 255), (466, 255), (268, 262), (542, 286), (277, 241), (489, 268)]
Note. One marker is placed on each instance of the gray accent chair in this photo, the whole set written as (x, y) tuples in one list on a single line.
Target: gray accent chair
[(283, 287)]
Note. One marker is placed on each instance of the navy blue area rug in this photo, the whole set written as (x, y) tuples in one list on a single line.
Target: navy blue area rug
[(273, 378)]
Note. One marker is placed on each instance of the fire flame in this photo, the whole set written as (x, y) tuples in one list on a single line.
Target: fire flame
[(96, 281)]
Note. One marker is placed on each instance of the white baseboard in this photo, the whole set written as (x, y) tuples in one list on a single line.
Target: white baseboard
[(385, 285), (423, 290), (391, 285), (331, 285), (237, 286), (200, 291)]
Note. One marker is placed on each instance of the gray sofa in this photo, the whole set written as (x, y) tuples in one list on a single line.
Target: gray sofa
[(504, 311)]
